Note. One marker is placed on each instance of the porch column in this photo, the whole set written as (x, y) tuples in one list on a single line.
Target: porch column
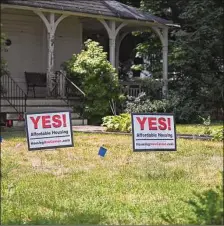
[(118, 44), (51, 26), (50, 65), (163, 35), (112, 31)]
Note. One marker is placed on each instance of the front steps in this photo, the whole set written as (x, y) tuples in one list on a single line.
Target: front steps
[(40, 105), (76, 121)]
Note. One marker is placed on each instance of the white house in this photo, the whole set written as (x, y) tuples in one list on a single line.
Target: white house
[(44, 34)]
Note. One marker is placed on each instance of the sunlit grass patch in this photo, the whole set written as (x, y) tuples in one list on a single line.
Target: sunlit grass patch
[(76, 186), (196, 129)]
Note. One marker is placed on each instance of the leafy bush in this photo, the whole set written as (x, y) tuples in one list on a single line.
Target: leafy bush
[(218, 134), (120, 123), (185, 111), (152, 87), (207, 130), (208, 207), (142, 104), (206, 122), (94, 74)]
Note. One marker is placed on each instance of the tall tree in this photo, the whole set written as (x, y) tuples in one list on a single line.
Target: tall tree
[(195, 50), (198, 53)]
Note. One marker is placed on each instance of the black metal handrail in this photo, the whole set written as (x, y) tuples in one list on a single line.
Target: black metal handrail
[(68, 90), (13, 93), (63, 85)]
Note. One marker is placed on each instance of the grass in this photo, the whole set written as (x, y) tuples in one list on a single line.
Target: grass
[(196, 129), (76, 186)]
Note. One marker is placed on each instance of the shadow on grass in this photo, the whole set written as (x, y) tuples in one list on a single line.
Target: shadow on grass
[(59, 215), (64, 219), (12, 134)]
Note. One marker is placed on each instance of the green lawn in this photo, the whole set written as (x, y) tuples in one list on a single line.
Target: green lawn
[(196, 129), (76, 186)]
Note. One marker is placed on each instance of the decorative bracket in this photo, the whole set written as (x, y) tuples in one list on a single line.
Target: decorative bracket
[(111, 28), (163, 35), (112, 31), (50, 24)]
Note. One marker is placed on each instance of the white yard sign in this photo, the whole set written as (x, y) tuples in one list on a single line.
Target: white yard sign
[(49, 130), (153, 132)]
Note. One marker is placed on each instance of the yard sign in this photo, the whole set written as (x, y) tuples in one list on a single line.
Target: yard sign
[(153, 132), (49, 130)]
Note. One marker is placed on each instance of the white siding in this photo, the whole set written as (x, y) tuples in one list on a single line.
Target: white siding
[(25, 32), (28, 51), (68, 40)]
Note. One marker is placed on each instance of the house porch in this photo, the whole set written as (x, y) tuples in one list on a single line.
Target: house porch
[(42, 41)]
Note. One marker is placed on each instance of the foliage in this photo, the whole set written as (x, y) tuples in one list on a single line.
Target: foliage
[(195, 53), (218, 134), (197, 129), (121, 123), (200, 61), (142, 104), (184, 112), (152, 88), (94, 74), (208, 207), (206, 122), (151, 51)]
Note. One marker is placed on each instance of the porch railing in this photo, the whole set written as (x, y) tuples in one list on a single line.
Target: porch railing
[(13, 94), (69, 92), (130, 91), (64, 87)]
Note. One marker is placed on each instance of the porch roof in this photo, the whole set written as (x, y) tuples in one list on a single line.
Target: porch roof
[(107, 8)]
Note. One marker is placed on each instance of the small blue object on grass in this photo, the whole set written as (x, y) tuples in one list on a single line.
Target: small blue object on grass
[(102, 151), (0, 139)]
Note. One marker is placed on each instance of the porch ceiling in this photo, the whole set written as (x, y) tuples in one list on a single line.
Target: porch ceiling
[(106, 8)]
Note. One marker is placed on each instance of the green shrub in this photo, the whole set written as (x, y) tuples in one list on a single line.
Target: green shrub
[(152, 88), (206, 125), (120, 123), (93, 73), (186, 111), (208, 207), (142, 104), (218, 134), (207, 129)]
